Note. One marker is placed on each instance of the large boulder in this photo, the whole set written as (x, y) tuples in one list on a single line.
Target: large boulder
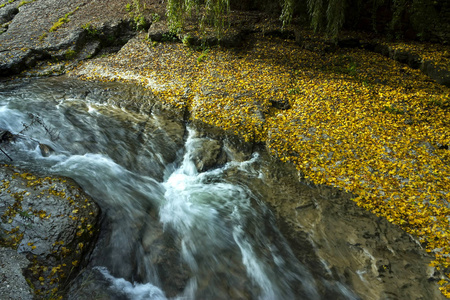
[(51, 222)]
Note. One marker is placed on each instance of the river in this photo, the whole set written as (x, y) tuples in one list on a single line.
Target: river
[(169, 229)]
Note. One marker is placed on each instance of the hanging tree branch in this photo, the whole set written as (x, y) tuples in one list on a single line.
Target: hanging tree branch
[(7, 137), (211, 12), (6, 154)]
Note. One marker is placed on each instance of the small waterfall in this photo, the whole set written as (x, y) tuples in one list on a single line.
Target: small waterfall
[(170, 231)]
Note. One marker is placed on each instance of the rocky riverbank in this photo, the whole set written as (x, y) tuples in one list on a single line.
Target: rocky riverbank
[(279, 89), (338, 117)]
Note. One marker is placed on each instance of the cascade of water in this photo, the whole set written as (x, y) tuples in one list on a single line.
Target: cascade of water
[(159, 209), (213, 218)]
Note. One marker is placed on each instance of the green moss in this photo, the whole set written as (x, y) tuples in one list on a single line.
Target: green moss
[(23, 2), (62, 20), (43, 36), (203, 56), (58, 24), (70, 54)]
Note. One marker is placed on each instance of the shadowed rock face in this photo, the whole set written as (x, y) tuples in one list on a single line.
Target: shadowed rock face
[(328, 231)]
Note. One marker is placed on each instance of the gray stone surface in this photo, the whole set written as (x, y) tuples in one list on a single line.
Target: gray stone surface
[(28, 38), (13, 285)]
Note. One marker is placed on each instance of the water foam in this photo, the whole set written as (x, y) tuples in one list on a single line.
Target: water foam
[(135, 291)]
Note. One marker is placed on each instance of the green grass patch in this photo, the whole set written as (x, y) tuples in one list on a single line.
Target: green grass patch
[(62, 20)]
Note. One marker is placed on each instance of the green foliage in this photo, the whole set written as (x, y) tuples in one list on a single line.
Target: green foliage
[(26, 215), (210, 12), (170, 36), (287, 12), (187, 40), (141, 22), (324, 15), (129, 7), (335, 16), (135, 11), (90, 29), (156, 17), (316, 12)]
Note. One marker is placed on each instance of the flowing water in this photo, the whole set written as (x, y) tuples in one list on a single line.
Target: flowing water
[(169, 231)]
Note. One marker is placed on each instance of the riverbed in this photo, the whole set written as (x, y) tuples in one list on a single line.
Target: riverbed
[(190, 215)]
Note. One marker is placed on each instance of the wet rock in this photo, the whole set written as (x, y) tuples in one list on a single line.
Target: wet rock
[(50, 221), (235, 148), (439, 73), (6, 136), (374, 255), (46, 150), (157, 31), (208, 154), (162, 251)]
